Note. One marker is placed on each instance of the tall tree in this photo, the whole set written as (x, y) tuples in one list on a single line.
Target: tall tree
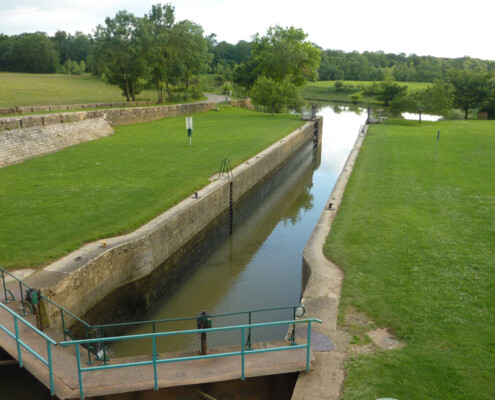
[(35, 53), (162, 19), (471, 88), (285, 54), (120, 51)]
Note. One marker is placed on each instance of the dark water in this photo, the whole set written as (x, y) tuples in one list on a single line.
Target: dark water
[(258, 267)]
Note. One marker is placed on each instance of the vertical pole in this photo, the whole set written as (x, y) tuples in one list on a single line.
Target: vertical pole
[(79, 376), (154, 348), (242, 355), (63, 323), (154, 362), (436, 147), (19, 351), (89, 362), (22, 299), (204, 347), (4, 287), (50, 367), (249, 334), (308, 352)]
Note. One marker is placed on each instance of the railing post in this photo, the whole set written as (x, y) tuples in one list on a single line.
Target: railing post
[(242, 355), (4, 287), (308, 352), (22, 299), (154, 362), (89, 362), (19, 350), (79, 376), (248, 344), (63, 323), (50, 367)]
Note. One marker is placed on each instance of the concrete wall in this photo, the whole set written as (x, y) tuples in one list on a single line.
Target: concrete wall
[(18, 145), (90, 274)]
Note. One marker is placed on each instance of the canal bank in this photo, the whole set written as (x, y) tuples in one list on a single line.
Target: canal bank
[(322, 283), (81, 280)]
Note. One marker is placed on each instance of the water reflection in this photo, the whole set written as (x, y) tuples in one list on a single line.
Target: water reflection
[(259, 266)]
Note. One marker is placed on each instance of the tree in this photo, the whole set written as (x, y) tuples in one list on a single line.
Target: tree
[(190, 48), (283, 54), (162, 20), (471, 88), (120, 52), (388, 90), (436, 99), (34, 53), (275, 95)]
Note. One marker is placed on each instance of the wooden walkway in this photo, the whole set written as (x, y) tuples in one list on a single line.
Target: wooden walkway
[(139, 378)]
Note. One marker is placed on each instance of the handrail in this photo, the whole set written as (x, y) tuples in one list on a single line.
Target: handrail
[(21, 344), (249, 313), (62, 310), (156, 361)]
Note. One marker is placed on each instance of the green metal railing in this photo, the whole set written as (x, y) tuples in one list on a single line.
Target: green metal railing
[(297, 311), (155, 361), (22, 345), (63, 312)]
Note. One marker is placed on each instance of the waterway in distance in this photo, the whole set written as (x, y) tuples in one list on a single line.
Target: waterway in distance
[(260, 265)]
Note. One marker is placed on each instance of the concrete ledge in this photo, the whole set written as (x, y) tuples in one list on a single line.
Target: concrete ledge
[(322, 283), (83, 278)]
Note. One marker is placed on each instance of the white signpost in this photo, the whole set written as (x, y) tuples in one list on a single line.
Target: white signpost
[(189, 127)]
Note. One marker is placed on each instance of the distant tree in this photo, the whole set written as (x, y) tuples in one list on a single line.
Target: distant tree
[(471, 88), (388, 90), (190, 48), (436, 99), (34, 53), (120, 52), (284, 54), (161, 18), (275, 95)]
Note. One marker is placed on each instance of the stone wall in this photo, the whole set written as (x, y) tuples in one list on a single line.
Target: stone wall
[(114, 116), (18, 145), (33, 109), (90, 274)]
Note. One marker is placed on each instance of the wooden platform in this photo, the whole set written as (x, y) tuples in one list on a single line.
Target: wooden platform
[(130, 379)]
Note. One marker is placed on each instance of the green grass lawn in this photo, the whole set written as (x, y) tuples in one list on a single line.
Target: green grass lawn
[(18, 89), (325, 90), (416, 239), (53, 204)]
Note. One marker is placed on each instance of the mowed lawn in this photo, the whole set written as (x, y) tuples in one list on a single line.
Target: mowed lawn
[(53, 204), (18, 89), (416, 239)]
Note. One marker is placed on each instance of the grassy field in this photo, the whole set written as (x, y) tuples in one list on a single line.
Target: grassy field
[(17, 89), (53, 204), (325, 90), (416, 239)]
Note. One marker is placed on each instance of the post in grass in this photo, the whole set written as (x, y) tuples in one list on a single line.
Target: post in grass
[(436, 148), (189, 126)]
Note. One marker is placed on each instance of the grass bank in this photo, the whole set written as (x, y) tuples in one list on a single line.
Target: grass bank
[(416, 239), (19, 89), (326, 91), (53, 204)]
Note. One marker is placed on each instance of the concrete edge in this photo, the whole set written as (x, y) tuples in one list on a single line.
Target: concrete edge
[(322, 284)]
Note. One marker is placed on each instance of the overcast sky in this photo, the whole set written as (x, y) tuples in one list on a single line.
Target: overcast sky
[(425, 27)]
